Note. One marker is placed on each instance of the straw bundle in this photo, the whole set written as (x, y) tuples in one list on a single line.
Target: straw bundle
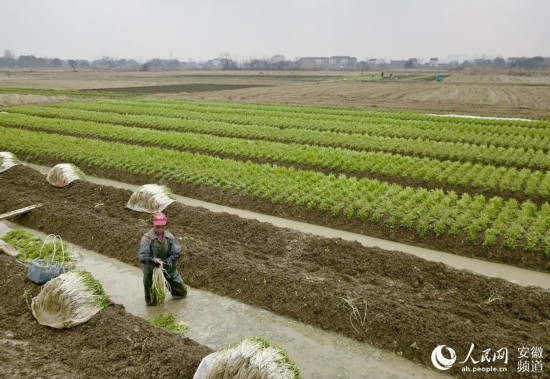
[(150, 198), (68, 300), (252, 358), (63, 174), (7, 160)]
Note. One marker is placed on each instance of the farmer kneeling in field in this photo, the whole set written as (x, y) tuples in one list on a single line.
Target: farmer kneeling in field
[(159, 247)]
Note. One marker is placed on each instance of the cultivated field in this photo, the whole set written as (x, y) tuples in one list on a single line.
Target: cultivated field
[(498, 94), (474, 187)]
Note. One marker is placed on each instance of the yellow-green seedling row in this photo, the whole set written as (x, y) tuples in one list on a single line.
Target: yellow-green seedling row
[(523, 135), (486, 177), (485, 154), (358, 117)]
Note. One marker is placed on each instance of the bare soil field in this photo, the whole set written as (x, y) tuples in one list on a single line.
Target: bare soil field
[(490, 94), (412, 305), (526, 100)]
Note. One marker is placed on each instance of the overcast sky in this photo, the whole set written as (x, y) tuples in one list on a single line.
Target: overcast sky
[(206, 29)]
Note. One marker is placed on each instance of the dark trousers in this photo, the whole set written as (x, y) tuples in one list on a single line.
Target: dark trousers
[(177, 286)]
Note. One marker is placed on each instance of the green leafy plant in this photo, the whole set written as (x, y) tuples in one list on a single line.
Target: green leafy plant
[(92, 284), (168, 321), (29, 247)]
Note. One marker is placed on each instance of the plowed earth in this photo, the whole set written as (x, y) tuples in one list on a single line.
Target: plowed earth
[(412, 305), (489, 95), (113, 344)]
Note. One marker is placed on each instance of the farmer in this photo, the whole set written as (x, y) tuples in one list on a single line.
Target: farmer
[(158, 246)]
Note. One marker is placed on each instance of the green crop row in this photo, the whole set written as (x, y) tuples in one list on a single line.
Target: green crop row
[(524, 182), (495, 222), (346, 115), (164, 119), (523, 141), (377, 125)]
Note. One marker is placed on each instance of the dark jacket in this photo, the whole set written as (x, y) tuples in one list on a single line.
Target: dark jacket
[(150, 243)]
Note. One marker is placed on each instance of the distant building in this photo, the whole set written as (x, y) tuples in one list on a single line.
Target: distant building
[(376, 63), (434, 62), (513, 60), (324, 63), (342, 62), (397, 64), (314, 63)]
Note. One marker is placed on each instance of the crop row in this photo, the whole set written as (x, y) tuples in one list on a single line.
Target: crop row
[(525, 182), (513, 225), (354, 116), (162, 119), (515, 136)]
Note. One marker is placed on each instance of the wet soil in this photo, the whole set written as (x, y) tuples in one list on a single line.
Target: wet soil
[(406, 304), (113, 343)]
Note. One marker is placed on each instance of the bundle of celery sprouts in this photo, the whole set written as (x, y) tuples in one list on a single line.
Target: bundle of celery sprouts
[(160, 285)]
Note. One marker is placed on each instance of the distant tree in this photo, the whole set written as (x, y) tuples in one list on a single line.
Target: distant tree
[(146, 66), (225, 59), (28, 61), (259, 64), (277, 58), (536, 63), (279, 62), (108, 63), (56, 63), (73, 64), (9, 54), (499, 62), (8, 60), (83, 64)]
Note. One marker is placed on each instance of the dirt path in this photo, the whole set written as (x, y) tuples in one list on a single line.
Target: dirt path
[(412, 305)]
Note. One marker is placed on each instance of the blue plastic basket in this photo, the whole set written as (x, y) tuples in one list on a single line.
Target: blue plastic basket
[(41, 271)]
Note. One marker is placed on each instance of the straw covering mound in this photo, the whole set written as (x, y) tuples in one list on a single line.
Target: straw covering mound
[(150, 198), (68, 300), (63, 174), (7, 160), (253, 358)]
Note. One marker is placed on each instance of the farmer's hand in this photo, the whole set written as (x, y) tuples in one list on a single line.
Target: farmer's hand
[(158, 261)]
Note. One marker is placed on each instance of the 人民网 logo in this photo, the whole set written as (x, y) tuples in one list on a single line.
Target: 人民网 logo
[(441, 362)]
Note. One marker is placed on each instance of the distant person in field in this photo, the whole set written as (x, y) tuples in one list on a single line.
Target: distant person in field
[(159, 246)]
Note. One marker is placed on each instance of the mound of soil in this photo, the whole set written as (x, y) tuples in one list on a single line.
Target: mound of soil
[(113, 343), (406, 304)]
